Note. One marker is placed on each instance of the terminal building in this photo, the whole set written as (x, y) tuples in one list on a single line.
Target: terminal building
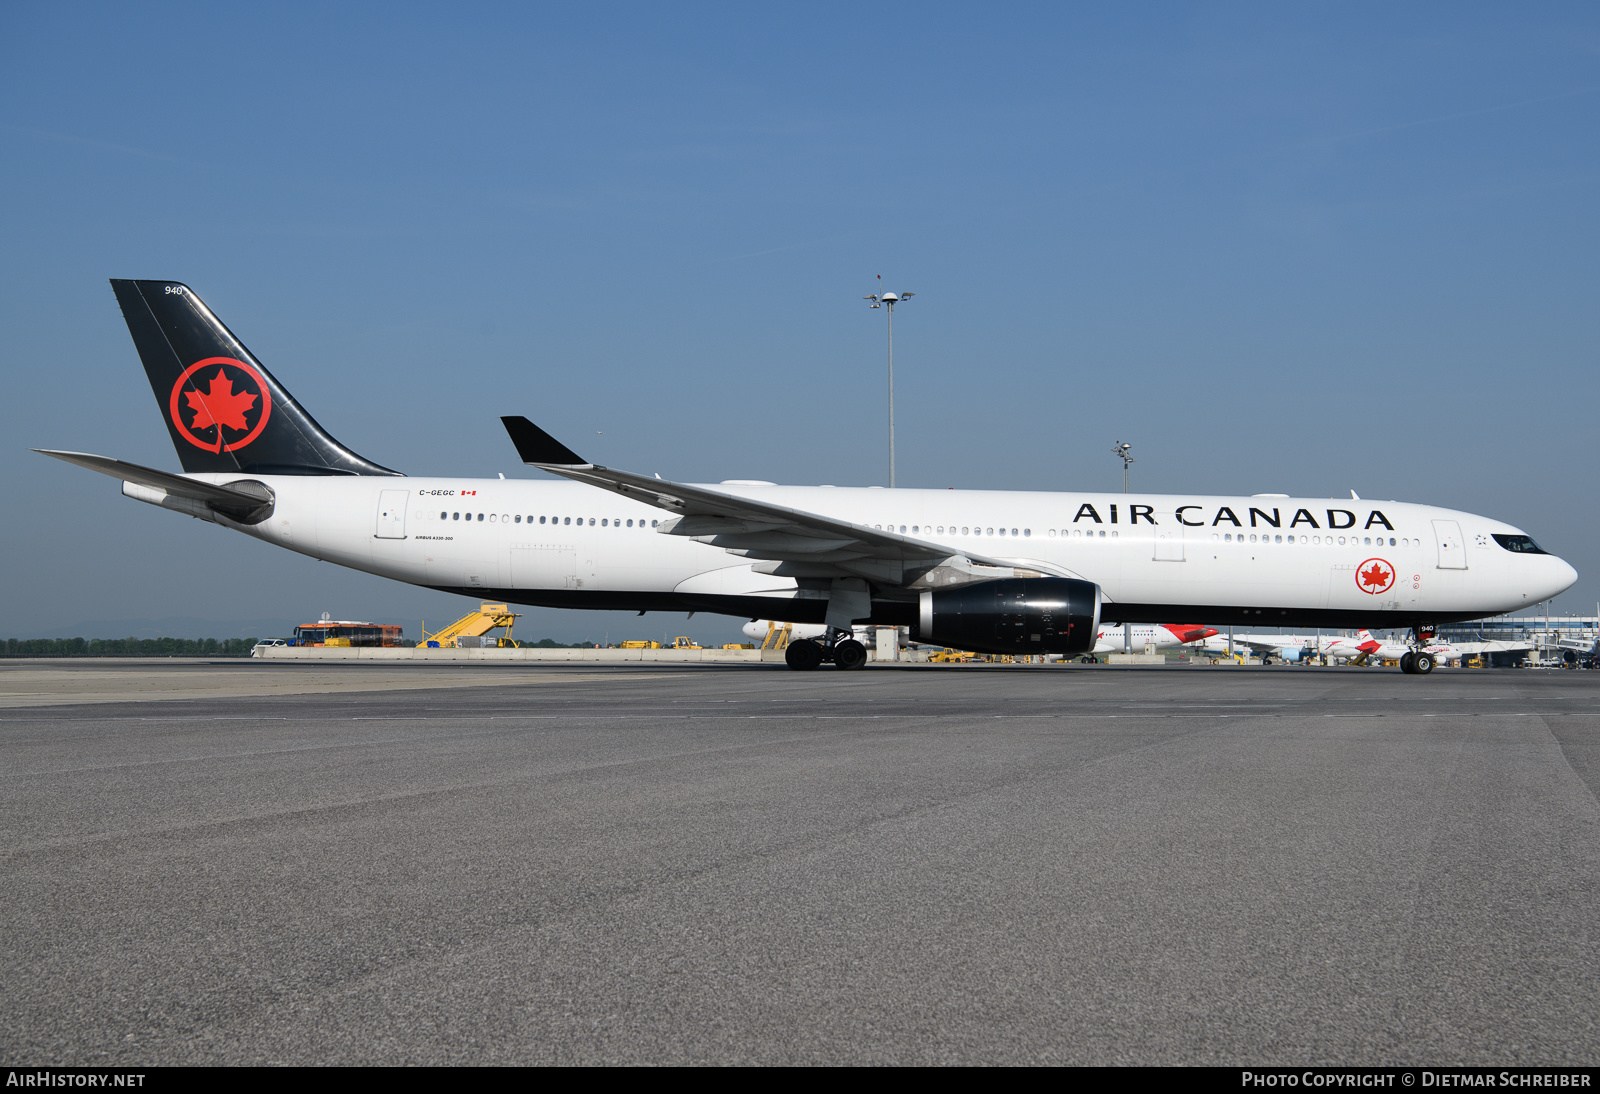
[(1546, 639), (1523, 628)]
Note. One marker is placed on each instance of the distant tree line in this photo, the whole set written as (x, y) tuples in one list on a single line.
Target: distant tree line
[(126, 647)]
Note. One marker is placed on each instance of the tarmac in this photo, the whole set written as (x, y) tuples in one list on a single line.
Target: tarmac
[(256, 862)]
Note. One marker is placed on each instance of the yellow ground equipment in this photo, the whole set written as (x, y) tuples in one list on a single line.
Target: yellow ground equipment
[(474, 625), (641, 645), (684, 642), (777, 636)]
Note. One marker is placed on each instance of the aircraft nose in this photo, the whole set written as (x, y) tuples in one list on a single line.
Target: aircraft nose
[(1562, 577)]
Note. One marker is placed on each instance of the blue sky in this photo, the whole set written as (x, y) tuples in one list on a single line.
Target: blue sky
[(1296, 249)]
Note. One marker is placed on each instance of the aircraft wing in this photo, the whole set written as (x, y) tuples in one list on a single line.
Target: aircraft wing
[(786, 542), (224, 499)]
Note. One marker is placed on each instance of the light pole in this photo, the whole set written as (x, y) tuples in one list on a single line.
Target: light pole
[(1121, 450), (889, 300)]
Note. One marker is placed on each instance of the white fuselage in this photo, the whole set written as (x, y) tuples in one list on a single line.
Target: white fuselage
[(570, 544)]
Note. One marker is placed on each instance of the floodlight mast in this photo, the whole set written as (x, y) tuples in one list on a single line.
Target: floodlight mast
[(1121, 450), (888, 300)]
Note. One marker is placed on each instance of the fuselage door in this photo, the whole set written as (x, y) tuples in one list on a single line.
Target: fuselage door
[(392, 514), (1169, 545), (1452, 551)]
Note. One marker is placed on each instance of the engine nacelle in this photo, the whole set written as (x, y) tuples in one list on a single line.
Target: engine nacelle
[(1013, 615)]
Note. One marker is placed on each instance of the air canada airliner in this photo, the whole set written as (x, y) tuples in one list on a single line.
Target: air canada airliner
[(988, 571)]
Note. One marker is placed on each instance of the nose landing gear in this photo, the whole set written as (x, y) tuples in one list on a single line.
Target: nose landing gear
[(1418, 662)]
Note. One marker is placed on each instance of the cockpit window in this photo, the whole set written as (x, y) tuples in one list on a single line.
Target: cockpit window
[(1520, 544)]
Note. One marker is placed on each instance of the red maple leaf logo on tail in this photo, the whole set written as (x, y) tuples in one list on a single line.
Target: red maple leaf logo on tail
[(220, 404), (1375, 578)]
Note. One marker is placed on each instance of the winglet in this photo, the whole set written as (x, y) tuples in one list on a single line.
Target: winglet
[(535, 446)]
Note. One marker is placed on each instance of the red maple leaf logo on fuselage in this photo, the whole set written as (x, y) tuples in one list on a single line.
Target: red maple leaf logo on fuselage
[(1376, 578)]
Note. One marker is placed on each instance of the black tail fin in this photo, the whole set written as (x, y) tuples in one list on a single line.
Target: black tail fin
[(224, 410)]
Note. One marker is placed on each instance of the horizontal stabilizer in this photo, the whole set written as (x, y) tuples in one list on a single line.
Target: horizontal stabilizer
[(535, 446), (227, 500)]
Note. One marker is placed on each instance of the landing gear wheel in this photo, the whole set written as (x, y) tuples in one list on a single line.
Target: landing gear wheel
[(1422, 663), (1407, 661), (803, 655), (849, 654)]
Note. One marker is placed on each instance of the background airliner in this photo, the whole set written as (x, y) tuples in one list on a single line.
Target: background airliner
[(990, 571), (1359, 648), (1160, 636)]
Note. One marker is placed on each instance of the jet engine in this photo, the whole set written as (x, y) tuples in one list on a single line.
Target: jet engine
[(1013, 615)]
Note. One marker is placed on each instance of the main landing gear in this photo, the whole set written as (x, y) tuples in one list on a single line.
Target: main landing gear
[(1418, 662), (845, 652)]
